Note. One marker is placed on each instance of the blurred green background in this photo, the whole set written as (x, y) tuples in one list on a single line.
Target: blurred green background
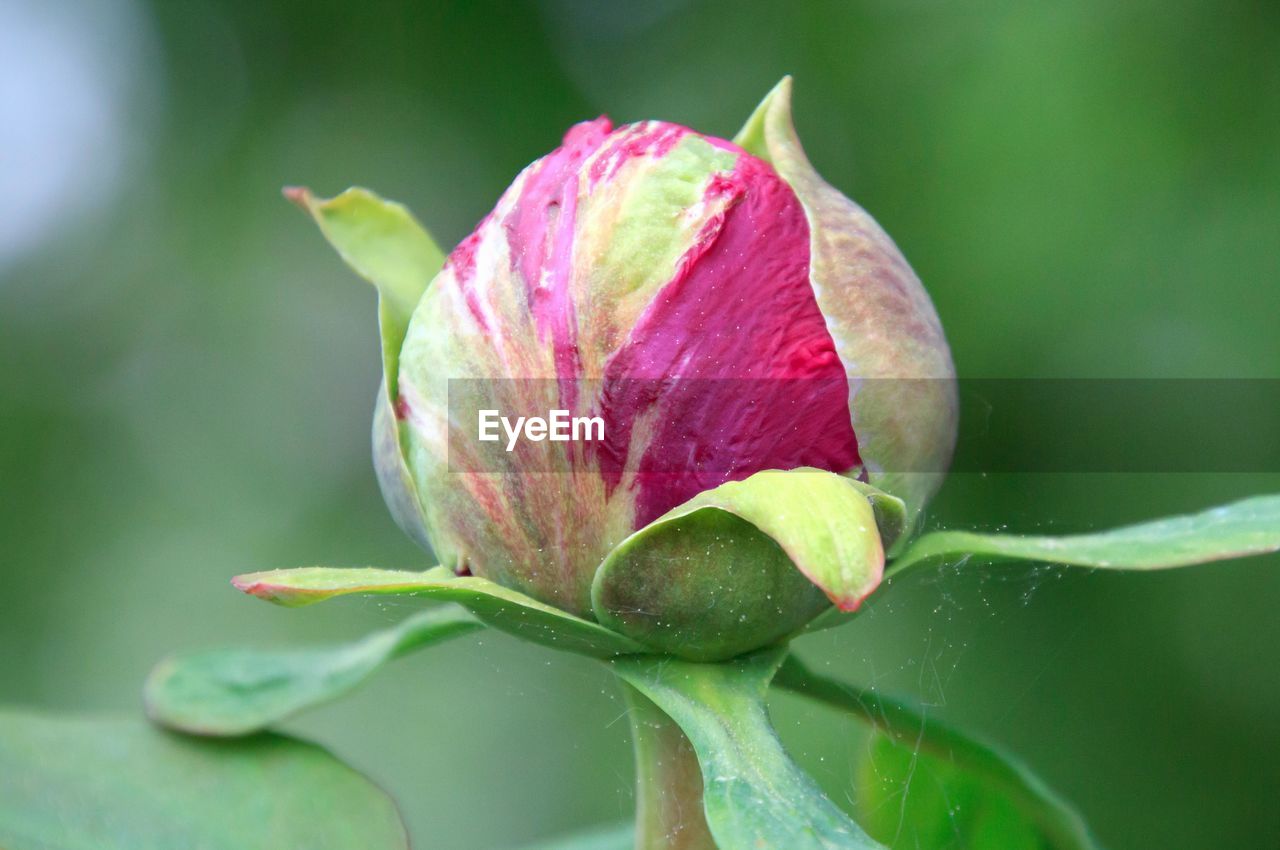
[(1088, 189)]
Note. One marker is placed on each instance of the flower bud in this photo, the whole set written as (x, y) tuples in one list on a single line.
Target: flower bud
[(714, 305)]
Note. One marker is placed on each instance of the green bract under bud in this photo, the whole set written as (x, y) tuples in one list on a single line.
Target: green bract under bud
[(743, 565)]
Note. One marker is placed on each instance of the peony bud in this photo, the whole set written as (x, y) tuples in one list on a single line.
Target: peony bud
[(717, 306), (765, 394)]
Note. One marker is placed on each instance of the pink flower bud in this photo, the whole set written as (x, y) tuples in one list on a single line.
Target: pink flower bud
[(718, 312)]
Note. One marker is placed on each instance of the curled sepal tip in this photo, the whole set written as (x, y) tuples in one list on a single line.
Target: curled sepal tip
[(382, 242)]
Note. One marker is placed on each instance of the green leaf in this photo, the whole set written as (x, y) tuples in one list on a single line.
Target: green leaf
[(115, 784), (497, 606), (386, 246), (1248, 527), (754, 796), (616, 837), (239, 691), (914, 801), (926, 785), (742, 565)]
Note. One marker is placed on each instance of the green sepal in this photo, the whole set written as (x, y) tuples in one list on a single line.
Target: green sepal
[(231, 692), (384, 244), (77, 783), (500, 607), (1248, 527), (743, 565), (903, 401), (754, 795), (924, 784)]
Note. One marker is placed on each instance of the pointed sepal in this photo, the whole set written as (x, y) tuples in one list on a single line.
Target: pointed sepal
[(384, 244), (902, 383)]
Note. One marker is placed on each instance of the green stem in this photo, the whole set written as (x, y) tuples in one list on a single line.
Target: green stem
[(669, 813)]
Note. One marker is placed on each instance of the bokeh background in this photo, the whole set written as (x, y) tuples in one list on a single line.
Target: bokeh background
[(1088, 189)]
